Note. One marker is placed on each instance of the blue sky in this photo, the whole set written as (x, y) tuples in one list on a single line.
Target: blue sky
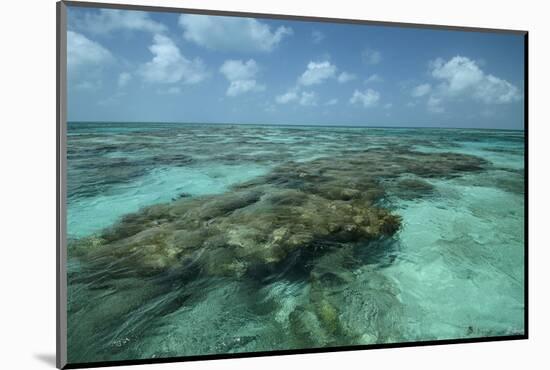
[(165, 67)]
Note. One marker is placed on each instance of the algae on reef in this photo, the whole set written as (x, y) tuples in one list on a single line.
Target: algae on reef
[(308, 218), (254, 227)]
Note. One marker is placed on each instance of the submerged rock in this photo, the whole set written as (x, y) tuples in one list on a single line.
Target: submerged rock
[(321, 223), (346, 303), (411, 188), (257, 225)]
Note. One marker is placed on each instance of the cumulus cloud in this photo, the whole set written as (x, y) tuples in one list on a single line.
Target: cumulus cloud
[(373, 78), (242, 86), (308, 98), (109, 20), (497, 91), (305, 98), (169, 65), (316, 73), (458, 74), (241, 76), (332, 102), (287, 97), (421, 90), (231, 33), (461, 76), (83, 51), (123, 79), (238, 70), (368, 98), (370, 56), (346, 77), (317, 36)]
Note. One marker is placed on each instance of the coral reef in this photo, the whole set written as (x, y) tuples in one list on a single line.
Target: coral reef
[(312, 252), (260, 223), (411, 188)]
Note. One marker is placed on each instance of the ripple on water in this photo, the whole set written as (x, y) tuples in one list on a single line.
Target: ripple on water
[(91, 214), (454, 270)]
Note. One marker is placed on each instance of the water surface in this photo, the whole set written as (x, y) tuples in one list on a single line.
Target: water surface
[(160, 266)]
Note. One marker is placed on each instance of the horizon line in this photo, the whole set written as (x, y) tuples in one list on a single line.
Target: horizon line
[(296, 125)]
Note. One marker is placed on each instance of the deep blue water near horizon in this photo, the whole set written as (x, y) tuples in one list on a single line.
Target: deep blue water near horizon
[(454, 269)]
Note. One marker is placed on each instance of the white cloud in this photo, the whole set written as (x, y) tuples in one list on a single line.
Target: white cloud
[(169, 65), (317, 36), (346, 77), (316, 73), (109, 20), (421, 90), (238, 70), (371, 56), (388, 106), (308, 98), (287, 97), (241, 76), (332, 102), (496, 90), (373, 78), (123, 79), (83, 51), (231, 33), (462, 77), (368, 98), (458, 74), (242, 86), (305, 98)]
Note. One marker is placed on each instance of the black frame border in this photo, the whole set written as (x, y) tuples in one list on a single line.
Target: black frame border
[(61, 258)]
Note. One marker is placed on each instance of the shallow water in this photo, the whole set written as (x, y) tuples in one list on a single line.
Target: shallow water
[(453, 269)]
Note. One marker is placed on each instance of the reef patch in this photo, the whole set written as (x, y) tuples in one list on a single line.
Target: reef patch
[(259, 223)]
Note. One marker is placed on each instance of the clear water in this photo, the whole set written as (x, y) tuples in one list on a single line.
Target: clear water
[(453, 269)]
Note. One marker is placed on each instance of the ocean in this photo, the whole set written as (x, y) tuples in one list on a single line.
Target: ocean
[(195, 239)]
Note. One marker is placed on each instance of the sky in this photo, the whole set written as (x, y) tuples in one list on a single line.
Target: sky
[(126, 65)]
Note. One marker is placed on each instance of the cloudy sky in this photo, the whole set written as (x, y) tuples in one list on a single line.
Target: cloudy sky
[(166, 67)]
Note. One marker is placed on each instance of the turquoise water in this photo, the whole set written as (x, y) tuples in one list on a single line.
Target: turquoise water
[(201, 239)]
